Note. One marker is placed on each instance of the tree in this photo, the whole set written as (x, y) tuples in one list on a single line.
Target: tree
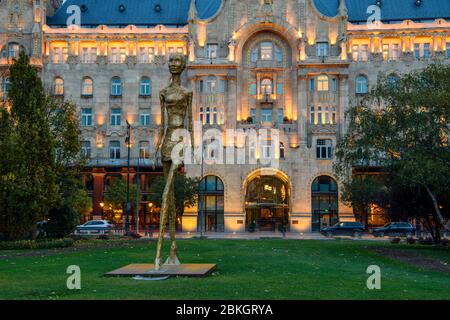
[(186, 191), (402, 127), (116, 197), (40, 153)]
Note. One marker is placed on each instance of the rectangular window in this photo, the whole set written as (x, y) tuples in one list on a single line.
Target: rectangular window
[(323, 149), (364, 52), (312, 117), (253, 114), (144, 150), (117, 55), (355, 53), (266, 51), (89, 55), (322, 49), (266, 115), (212, 50), (311, 85), (60, 54), (280, 115), (426, 50), (200, 86), (114, 150), (333, 115), (334, 84), (385, 52), (144, 119), (146, 54), (280, 88), (13, 52), (116, 115), (86, 149), (211, 86), (253, 89), (319, 115), (327, 115), (86, 117), (223, 85), (416, 50)]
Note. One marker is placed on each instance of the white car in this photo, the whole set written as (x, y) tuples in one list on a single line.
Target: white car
[(94, 226)]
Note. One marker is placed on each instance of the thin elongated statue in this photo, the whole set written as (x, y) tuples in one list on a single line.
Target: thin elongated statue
[(176, 104)]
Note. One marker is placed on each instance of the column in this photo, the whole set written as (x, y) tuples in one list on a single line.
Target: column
[(302, 107), (97, 195)]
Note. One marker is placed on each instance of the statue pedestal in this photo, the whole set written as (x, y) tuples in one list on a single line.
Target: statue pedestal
[(148, 270)]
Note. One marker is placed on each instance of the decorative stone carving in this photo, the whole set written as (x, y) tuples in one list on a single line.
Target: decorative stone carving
[(15, 13)]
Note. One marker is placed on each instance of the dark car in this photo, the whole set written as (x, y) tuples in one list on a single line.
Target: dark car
[(395, 229), (354, 229)]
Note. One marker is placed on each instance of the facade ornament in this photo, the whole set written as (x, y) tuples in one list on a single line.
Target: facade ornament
[(15, 15)]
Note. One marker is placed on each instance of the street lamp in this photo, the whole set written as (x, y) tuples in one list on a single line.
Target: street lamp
[(128, 206)]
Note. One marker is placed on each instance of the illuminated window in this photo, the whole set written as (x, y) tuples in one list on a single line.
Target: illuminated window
[(144, 150), (361, 84), (87, 87), (391, 52), (146, 54), (88, 55), (266, 86), (58, 87), (211, 204), (322, 83), (117, 55), (60, 54)]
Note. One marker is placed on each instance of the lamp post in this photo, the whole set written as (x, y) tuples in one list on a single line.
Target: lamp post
[(128, 205)]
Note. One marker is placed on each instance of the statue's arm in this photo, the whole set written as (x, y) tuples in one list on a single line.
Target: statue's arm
[(162, 127)]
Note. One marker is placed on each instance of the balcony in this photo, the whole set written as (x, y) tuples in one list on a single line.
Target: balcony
[(323, 97), (211, 99), (267, 64), (323, 128), (122, 162)]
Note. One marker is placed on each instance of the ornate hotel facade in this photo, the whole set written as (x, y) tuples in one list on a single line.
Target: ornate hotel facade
[(291, 65)]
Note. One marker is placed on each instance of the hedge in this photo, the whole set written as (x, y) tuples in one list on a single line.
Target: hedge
[(33, 244)]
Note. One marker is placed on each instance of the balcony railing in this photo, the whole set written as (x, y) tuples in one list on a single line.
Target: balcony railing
[(323, 97), (211, 99)]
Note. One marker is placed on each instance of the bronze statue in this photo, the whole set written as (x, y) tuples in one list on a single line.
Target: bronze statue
[(176, 103)]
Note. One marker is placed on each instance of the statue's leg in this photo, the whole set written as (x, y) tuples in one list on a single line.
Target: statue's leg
[(163, 216), (173, 258)]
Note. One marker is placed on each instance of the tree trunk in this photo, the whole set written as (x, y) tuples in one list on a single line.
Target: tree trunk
[(441, 219)]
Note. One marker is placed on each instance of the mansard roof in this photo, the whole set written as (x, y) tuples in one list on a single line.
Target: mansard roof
[(134, 12), (175, 12), (391, 10)]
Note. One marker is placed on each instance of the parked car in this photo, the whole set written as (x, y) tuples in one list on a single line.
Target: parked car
[(395, 229), (94, 226), (354, 229)]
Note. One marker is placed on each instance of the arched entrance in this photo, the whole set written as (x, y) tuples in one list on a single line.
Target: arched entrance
[(267, 203), (211, 206), (324, 201)]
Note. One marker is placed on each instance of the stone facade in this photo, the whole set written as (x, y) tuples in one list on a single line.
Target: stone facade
[(254, 64)]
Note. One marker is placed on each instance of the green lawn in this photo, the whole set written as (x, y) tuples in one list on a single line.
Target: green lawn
[(247, 269)]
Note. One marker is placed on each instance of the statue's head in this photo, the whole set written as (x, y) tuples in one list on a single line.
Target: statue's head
[(177, 63)]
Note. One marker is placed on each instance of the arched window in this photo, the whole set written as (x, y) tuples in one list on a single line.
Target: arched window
[(324, 202), (12, 50), (322, 83), (392, 80), (116, 86), (266, 50), (361, 84), (282, 150), (5, 86), (266, 86), (87, 87), (211, 206), (145, 87), (58, 87)]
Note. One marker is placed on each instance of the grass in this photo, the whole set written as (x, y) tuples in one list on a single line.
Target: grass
[(247, 269)]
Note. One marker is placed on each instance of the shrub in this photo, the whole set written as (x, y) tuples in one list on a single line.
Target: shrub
[(445, 242), (395, 240), (33, 244), (62, 222), (426, 241), (133, 235), (411, 240)]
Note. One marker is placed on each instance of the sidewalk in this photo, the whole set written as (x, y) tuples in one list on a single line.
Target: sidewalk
[(264, 235)]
